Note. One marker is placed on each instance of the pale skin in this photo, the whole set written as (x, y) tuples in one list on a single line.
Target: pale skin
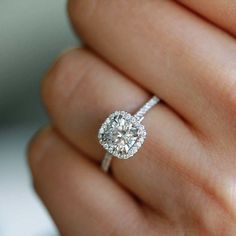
[(183, 179)]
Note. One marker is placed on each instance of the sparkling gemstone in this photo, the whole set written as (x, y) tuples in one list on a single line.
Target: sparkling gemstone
[(121, 134)]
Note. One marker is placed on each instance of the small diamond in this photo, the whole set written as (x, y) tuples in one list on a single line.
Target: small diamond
[(121, 134), (128, 116), (101, 131), (133, 150), (138, 144)]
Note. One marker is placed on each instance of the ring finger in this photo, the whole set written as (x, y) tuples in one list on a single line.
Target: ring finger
[(81, 90)]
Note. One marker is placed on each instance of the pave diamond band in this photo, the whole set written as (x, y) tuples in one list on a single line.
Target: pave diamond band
[(122, 134)]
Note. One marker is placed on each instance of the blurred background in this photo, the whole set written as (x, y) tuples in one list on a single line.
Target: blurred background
[(32, 34)]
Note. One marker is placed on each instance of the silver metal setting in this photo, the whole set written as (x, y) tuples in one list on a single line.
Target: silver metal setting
[(122, 134)]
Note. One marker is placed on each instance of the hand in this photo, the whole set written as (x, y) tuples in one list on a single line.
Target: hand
[(183, 179)]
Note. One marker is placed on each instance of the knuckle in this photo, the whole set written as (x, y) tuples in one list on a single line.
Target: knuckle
[(81, 11), (62, 78), (37, 148), (50, 85)]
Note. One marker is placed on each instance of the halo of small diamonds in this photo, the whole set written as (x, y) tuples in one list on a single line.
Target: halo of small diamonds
[(121, 134)]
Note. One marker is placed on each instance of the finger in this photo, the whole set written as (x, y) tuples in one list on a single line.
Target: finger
[(222, 13), (67, 91), (74, 90), (80, 198), (81, 90), (78, 115), (171, 52)]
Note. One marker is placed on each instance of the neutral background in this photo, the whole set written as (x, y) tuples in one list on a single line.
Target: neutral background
[(32, 34)]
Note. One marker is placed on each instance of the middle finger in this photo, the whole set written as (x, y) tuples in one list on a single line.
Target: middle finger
[(186, 61)]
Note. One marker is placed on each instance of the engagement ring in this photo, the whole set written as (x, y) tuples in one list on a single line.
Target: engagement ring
[(122, 134)]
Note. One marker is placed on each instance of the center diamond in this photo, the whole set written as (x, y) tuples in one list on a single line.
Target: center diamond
[(121, 134)]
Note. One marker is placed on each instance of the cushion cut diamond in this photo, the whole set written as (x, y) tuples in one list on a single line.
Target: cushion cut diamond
[(121, 134)]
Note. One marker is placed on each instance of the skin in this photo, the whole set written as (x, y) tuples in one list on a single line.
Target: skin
[(183, 179)]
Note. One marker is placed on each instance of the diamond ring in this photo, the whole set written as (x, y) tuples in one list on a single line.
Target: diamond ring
[(122, 134)]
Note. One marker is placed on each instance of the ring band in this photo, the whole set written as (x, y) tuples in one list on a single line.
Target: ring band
[(122, 134)]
